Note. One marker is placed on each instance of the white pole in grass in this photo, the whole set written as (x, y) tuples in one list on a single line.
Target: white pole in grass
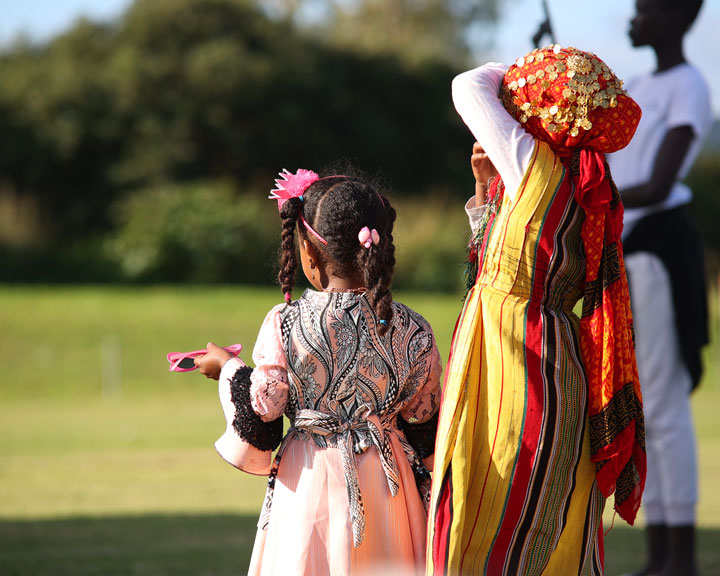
[(111, 353)]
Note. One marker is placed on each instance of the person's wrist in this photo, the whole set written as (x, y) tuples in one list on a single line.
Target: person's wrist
[(480, 193), (224, 362)]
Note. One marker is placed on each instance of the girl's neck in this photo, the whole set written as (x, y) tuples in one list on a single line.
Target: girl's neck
[(337, 284)]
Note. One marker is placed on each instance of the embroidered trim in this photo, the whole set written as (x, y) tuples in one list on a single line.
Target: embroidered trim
[(615, 417), (626, 483), (609, 273), (265, 436)]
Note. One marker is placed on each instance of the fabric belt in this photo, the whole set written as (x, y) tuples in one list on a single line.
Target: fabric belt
[(353, 436)]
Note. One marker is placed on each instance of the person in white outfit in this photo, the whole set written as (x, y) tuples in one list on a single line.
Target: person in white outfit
[(664, 261)]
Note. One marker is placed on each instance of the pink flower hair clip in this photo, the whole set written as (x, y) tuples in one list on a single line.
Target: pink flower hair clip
[(291, 185), (368, 237)]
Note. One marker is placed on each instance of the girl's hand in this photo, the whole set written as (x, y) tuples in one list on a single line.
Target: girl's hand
[(483, 170), (211, 364)]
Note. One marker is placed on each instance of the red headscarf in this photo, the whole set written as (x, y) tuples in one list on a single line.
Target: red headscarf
[(573, 101)]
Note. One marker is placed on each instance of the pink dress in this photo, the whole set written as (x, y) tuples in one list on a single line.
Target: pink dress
[(348, 487)]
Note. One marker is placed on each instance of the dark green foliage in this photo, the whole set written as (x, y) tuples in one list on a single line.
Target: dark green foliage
[(197, 232), (204, 89), (704, 180)]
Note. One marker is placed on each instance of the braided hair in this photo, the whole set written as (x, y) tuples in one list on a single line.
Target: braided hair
[(338, 208)]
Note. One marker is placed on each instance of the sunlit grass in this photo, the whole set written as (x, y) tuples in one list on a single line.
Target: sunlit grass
[(117, 456)]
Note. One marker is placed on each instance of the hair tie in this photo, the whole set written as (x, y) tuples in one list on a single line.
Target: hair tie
[(383, 322), (288, 297), (368, 237)]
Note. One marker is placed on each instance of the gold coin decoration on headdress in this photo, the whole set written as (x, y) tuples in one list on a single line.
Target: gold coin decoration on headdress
[(570, 98)]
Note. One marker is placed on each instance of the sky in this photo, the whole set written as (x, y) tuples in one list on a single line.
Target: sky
[(578, 23)]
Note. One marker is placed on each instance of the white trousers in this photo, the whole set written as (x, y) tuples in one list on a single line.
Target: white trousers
[(671, 492)]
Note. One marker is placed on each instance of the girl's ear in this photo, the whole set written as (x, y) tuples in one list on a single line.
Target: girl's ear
[(309, 249)]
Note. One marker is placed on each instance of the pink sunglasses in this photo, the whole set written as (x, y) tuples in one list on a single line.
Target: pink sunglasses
[(184, 361)]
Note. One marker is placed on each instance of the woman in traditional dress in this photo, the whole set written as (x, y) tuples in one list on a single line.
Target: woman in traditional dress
[(541, 418)]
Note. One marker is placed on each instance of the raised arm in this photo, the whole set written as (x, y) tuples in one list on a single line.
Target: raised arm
[(476, 98)]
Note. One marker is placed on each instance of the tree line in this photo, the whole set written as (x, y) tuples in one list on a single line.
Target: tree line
[(219, 92), (142, 148)]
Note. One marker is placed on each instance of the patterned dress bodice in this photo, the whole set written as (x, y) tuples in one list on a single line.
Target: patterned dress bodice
[(337, 363)]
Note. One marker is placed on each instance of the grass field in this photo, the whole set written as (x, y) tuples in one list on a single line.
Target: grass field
[(107, 463)]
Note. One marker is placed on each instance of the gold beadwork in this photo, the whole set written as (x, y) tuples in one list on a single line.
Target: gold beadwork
[(582, 90)]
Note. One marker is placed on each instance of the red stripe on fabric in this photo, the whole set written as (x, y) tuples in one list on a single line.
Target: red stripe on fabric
[(529, 444), (551, 222), (443, 518), (443, 514), (534, 411), (502, 383), (492, 449)]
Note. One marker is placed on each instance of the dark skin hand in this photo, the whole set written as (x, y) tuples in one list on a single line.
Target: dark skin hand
[(483, 170), (211, 363)]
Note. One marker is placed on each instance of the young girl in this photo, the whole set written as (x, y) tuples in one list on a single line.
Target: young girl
[(356, 374)]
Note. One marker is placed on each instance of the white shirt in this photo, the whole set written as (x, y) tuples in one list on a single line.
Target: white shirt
[(669, 99)]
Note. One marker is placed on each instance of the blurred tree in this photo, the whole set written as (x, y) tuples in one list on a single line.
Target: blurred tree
[(200, 90), (57, 135), (197, 231), (414, 30), (703, 181)]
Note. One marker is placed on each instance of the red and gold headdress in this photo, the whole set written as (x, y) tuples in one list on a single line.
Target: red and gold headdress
[(570, 99)]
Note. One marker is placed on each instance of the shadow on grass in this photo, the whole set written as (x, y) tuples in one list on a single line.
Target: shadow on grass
[(625, 550), (211, 545)]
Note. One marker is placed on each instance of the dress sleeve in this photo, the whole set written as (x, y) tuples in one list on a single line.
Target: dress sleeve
[(689, 105), (253, 402), (475, 213), (419, 418), (476, 97), (269, 390)]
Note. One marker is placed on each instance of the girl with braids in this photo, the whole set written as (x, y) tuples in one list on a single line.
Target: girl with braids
[(357, 376)]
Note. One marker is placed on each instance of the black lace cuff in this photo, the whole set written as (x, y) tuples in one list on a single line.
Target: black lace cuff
[(420, 436), (265, 436)]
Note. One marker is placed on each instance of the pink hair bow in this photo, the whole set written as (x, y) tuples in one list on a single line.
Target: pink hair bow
[(368, 237), (291, 185)]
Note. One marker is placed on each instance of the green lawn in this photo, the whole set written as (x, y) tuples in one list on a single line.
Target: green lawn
[(107, 463)]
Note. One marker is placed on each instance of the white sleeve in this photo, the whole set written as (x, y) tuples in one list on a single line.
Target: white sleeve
[(508, 145), (690, 104), (475, 213)]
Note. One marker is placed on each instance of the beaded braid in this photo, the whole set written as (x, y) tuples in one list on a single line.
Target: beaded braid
[(290, 214), (378, 264)]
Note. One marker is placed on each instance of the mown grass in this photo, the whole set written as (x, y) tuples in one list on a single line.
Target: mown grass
[(120, 477)]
